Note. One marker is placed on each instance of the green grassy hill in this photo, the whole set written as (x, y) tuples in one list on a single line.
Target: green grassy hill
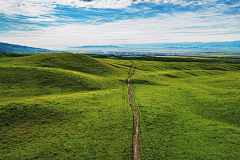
[(66, 61), (63, 106), (71, 106), (188, 110), (35, 81), (59, 73)]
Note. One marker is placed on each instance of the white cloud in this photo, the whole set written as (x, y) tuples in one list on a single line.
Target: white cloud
[(41, 19), (24, 7), (43, 7), (187, 27), (102, 4), (178, 2)]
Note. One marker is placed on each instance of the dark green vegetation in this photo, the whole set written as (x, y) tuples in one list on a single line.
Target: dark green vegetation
[(63, 106), (188, 108), (10, 54)]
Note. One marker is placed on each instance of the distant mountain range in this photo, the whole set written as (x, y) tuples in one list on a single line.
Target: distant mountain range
[(104, 46), (6, 47)]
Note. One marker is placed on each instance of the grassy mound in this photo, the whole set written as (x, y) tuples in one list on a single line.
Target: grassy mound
[(35, 81), (63, 106), (67, 61)]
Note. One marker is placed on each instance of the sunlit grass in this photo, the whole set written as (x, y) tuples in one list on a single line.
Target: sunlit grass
[(188, 110), (78, 126), (63, 106), (66, 61), (68, 106)]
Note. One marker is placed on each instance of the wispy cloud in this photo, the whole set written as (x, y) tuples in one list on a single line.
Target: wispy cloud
[(102, 22), (43, 7), (25, 7), (187, 27)]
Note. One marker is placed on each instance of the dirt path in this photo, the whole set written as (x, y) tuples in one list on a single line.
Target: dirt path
[(136, 148)]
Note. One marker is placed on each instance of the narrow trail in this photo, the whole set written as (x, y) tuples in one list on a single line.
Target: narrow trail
[(136, 147)]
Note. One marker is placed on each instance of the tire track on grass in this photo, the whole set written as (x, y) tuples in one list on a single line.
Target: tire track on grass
[(136, 147)]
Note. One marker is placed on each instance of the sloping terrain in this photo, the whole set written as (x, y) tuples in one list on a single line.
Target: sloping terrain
[(70, 106), (63, 106), (188, 110), (60, 73), (26, 82), (67, 61)]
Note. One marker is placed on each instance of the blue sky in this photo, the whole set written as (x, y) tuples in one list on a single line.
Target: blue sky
[(57, 24)]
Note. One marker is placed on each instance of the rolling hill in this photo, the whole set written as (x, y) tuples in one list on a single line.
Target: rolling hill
[(72, 106), (63, 106)]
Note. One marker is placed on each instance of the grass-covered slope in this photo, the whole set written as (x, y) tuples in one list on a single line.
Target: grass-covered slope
[(94, 125), (188, 110), (59, 73), (63, 106), (70, 106), (17, 82), (66, 61)]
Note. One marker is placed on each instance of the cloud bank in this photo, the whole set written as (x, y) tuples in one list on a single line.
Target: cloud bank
[(55, 23)]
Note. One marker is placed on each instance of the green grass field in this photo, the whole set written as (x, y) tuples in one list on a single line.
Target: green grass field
[(188, 110), (63, 106), (71, 106)]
